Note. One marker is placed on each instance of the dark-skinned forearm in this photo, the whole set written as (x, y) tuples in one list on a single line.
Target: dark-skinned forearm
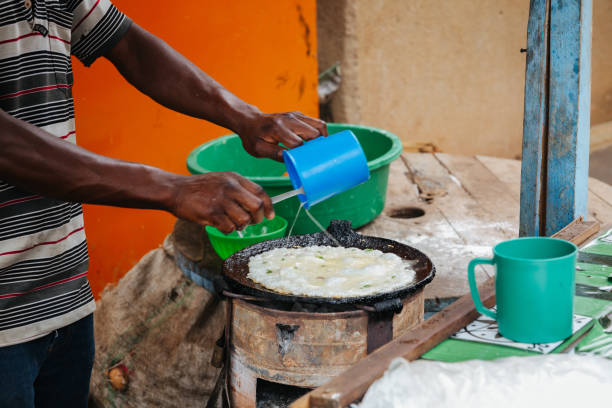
[(157, 70), (160, 72), (36, 161)]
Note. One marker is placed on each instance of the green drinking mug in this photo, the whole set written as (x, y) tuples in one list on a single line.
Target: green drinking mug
[(534, 287)]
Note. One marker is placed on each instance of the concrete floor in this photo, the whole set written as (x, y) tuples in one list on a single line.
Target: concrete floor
[(600, 165)]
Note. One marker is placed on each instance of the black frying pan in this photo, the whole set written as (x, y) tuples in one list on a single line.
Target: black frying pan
[(236, 267)]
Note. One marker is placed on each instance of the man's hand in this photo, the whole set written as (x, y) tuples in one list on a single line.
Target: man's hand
[(261, 136), (225, 200)]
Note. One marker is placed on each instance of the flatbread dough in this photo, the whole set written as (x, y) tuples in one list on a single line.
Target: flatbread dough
[(332, 272)]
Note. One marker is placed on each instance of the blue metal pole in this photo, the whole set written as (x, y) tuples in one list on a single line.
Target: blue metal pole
[(557, 115), (535, 121), (569, 112)]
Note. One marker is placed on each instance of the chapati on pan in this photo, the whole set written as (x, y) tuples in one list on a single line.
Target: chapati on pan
[(333, 272)]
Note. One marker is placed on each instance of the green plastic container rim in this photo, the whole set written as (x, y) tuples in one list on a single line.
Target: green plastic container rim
[(214, 231), (272, 181)]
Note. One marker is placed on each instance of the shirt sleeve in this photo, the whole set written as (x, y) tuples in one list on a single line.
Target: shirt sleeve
[(97, 26)]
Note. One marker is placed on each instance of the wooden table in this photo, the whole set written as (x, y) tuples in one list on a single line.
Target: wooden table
[(470, 203)]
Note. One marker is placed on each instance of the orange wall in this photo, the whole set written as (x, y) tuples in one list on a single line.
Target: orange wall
[(264, 51)]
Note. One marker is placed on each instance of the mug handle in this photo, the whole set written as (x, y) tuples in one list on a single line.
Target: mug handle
[(474, 289)]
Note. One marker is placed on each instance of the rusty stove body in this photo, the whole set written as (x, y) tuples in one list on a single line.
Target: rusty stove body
[(305, 348)]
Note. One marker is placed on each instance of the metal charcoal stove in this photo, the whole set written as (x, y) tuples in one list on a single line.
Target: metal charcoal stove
[(305, 341)]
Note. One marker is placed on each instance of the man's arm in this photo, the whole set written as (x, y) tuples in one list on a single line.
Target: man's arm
[(160, 72), (36, 161)]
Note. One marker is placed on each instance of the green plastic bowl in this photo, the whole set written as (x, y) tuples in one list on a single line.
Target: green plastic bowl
[(226, 244), (360, 205)]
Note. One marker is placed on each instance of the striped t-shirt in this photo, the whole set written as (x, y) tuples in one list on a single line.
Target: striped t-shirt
[(43, 251)]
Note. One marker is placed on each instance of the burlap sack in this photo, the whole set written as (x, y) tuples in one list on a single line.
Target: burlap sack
[(159, 329)]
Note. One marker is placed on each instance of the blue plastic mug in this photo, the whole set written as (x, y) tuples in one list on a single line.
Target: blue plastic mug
[(326, 166)]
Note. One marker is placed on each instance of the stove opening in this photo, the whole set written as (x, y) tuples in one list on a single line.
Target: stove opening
[(274, 395)]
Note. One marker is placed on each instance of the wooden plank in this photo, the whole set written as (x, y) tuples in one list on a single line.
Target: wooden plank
[(401, 192), (569, 112), (598, 209), (601, 189), (578, 231), (477, 220), (535, 118), (509, 172), (353, 383), (600, 200), (431, 180), (486, 189)]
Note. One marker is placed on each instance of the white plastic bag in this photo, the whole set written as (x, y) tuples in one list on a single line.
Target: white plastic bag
[(560, 380)]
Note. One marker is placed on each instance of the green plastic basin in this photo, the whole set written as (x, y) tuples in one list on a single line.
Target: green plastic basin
[(360, 205)]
